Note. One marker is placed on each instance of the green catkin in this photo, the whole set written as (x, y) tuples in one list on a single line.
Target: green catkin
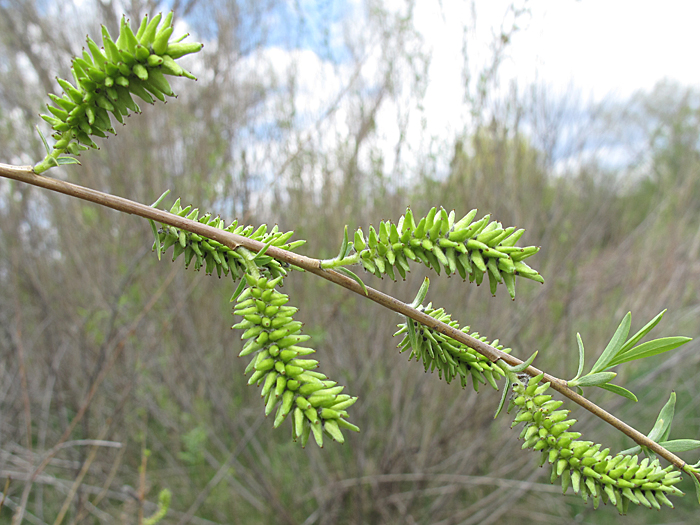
[(285, 374), (469, 248), (582, 465), (105, 79), (290, 385), (450, 358), (214, 256)]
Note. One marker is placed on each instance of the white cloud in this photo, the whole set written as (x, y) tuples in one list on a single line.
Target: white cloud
[(595, 47), (608, 47)]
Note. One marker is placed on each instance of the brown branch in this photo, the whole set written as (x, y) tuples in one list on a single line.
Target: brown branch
[(79, 479), (4, 492), (19, 344), (233, 241)]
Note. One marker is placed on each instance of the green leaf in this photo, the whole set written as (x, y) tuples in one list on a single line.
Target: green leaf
[(662, 425), (412, 337), (581, 356), (695, 480), (650, 348), (630, 451), (160, 199), (593, 379), (620, 391), (156, 245), (422, 292), (344, 249), (43, 139), (63, 161), (175, 208), (522, 366), (353, 276), (680, 445), (644, 331), (261, 259), (259, 256), (614, 345), (239, 290), (502, 403)]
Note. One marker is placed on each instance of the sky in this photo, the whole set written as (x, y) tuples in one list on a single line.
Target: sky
[(604, 48), (599, 50)]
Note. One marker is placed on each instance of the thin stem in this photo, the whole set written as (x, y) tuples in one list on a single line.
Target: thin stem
[(250, 266), (233, 241), (329, 264)]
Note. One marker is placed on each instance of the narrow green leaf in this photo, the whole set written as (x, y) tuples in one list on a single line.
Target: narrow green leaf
[(156, 244), (644, 331), (502, 403), (263, 260), (353, 276), (630, 451), (614, 346), (176, 207), (662, 426), (422, 292), (597, 379), (43, 139), (259, 256), (522, 366), (239, 290), (620, 391), (63, 161), (657, 429), (650, 348), (667, 433), (581, 356), (680, 445), (413, 339), (695, 480), (344, 245), (160, 199)]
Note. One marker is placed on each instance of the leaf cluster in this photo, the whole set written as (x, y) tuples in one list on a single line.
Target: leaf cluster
[(621, 350)]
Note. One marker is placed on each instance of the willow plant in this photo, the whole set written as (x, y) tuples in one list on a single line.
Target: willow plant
[(258, 259)]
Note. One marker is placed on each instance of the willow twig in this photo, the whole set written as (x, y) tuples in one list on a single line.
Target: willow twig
[(26, 174)]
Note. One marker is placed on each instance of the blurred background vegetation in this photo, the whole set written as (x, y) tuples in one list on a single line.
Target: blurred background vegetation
[(305, 115)]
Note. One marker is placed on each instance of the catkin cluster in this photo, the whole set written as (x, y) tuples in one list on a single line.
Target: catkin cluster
[(289, 381), (582, 465), (106, 78), (449, 357), (467, 247), (213, 255)]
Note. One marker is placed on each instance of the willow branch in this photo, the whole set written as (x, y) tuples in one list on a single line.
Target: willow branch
[(26, 174)]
